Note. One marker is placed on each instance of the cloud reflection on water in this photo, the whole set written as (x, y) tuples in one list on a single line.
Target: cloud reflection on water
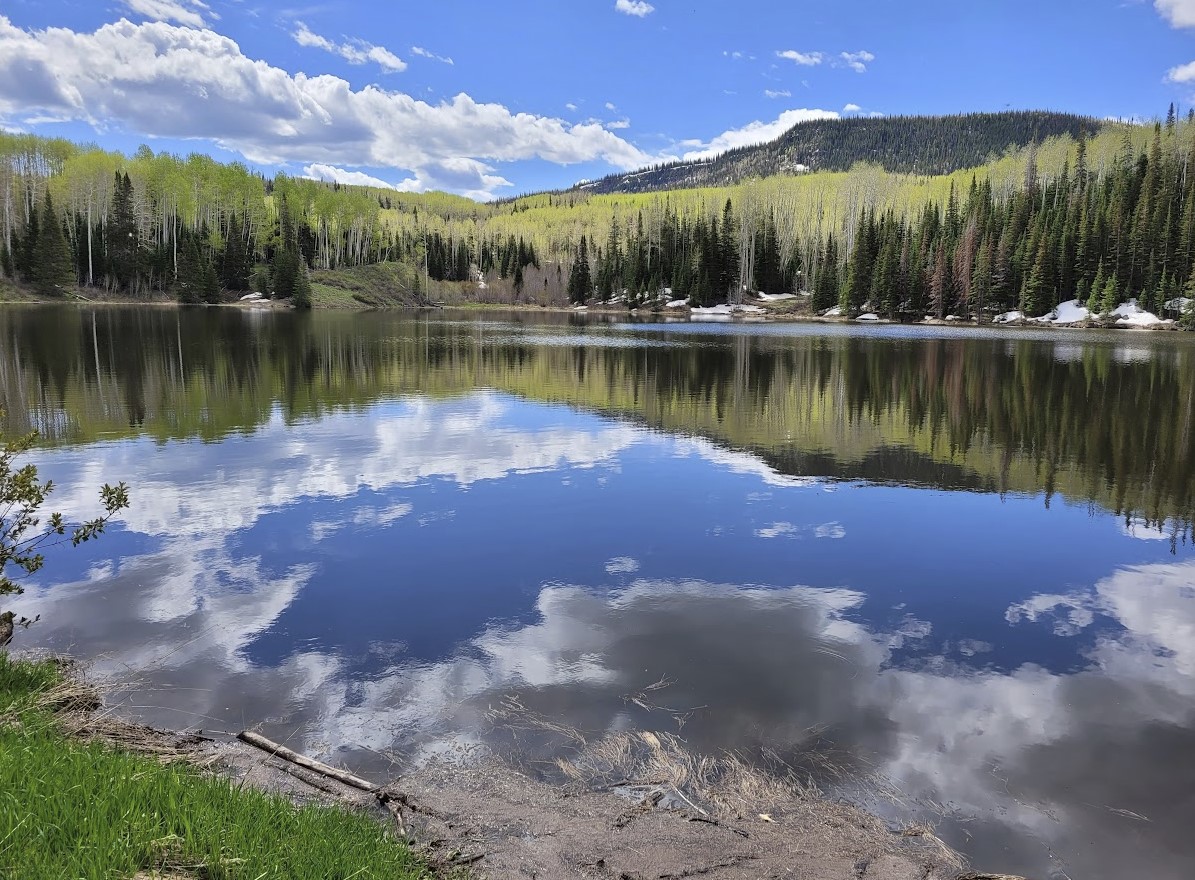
[(1062, 758)]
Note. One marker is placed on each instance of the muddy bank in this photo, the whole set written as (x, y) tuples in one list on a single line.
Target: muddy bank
[(631, 806), (480, 812)]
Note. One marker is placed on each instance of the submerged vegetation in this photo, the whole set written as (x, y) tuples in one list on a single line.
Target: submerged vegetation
[(1100, 219)]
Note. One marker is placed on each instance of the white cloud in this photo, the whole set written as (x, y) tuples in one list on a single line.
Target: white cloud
[(354, 52), (833, 530), (1180, 13), (1142, 531), (618, 124), (805, 59), (778, 530), (186, 12), (622, 565), (332, 174), (468, 177), (637, 8), (161, 80), (610, 105), (857, 61), (777, 93), (1184, 73), (570, 106), (754, 133), (851, 108), (424, 53)]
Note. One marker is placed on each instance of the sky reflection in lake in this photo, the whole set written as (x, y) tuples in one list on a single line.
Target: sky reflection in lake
[(368, 581)]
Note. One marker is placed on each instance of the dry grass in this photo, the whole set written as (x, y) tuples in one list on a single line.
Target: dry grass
[(659, 767)]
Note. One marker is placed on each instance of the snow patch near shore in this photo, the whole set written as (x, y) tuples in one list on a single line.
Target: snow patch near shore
[(725, 309), (1132, 315), (776, 297), (1070, 312)]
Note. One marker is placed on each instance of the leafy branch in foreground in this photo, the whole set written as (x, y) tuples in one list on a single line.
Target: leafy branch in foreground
[(24, 536)]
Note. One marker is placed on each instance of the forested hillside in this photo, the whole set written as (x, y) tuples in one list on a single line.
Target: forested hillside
[(929, 145), (1101, 219)]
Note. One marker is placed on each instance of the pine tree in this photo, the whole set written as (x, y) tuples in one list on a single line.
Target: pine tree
[(1095, 299), (188, 283), (1111, 295), (825, 291), (121, 235), (859, 268), (579, 282), (301, 291), (53, 264), (1035, 295), (728, 278), (981, 279)]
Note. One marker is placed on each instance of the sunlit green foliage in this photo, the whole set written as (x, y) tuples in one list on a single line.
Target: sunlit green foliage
[(1039, 219)]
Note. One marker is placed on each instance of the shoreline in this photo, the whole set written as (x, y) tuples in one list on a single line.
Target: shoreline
[(475, 813), (676, 315)]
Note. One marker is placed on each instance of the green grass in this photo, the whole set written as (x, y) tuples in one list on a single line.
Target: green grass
[(75, 810), (379, 285)]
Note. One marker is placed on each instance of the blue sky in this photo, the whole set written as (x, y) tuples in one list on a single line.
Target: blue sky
[(491, 99)]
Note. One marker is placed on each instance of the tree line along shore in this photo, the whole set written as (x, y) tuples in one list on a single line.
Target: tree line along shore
[(1095, 222)]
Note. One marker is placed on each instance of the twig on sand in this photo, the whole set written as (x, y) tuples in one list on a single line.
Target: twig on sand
[(281, 751)]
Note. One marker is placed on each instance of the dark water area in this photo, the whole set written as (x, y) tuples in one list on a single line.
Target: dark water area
[(953, 566)]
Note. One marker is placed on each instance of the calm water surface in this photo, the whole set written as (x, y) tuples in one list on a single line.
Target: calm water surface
[(955, 562)]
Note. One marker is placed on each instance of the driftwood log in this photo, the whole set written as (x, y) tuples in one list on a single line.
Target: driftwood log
[(281, 751)]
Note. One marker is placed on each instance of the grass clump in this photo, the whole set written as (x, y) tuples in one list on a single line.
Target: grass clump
[(86, 810)]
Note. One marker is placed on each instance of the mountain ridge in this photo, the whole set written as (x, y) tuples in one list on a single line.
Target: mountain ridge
[(928, 145)]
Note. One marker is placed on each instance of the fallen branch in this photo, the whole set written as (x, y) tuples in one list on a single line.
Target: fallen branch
[(281, 751)]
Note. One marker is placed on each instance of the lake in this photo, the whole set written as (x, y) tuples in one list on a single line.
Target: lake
[(947, 573)]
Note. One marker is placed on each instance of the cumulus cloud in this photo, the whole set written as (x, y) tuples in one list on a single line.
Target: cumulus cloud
[(468, 177), (354, 52), (857, 61), (753, 133), (332, 174), (834, 530), (187, 12), (778, 530), (637, 8), (618, 124), (851, 108), (1180, 13), (167, 81), (424, 53), (805, 59), (622, 565), (777, 93), (1184, 73)]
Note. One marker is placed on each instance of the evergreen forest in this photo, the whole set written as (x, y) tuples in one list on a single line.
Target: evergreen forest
[(1099, 213)]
